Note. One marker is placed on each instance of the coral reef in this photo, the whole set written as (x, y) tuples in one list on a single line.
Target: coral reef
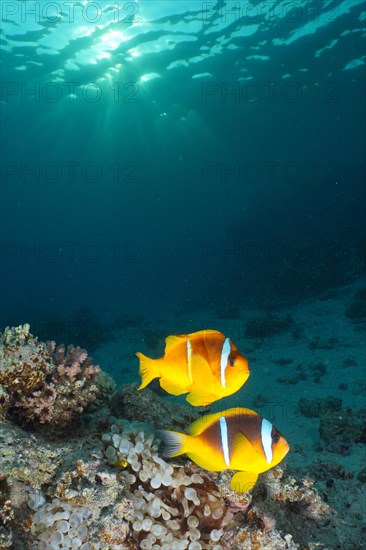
[(131, 500), (41, 383), (104, 486)]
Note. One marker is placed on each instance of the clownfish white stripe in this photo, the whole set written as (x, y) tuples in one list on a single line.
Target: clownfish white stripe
[(224, 440), (266, 438), (226, 348), (189, 360)]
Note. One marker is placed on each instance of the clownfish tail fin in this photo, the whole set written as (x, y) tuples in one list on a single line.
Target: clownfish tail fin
[(175, 443), (148, 370)]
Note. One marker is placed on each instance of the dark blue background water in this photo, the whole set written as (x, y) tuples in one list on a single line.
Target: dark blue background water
[(240, 164)]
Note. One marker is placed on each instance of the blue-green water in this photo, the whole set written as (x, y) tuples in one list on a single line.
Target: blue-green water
[(168, 156)]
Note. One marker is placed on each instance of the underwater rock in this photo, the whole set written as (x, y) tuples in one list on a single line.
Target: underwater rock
[(154, 336), (26, 458), (356, 310), (362, 475), (129, 403), (228, 313), (339, 430), (260, 401), (329, 471), (350, 362), (299, 376), (314, 408), (318, 371), (327, 343), (283, 361), (270, 325)]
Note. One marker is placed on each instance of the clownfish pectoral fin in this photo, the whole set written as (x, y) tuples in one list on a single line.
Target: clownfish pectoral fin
[(201, 393), (174, 442), (199, 398), (242, 447), (201, 372), (170, 387), (147, 370), (241, 482)]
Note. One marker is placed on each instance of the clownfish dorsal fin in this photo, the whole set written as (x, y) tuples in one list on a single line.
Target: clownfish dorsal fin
[(210, 333), (172, 341), (238, 411), (243, 481), (203, 423)]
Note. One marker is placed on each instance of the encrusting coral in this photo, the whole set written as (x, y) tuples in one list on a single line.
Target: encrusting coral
[(41, 383)]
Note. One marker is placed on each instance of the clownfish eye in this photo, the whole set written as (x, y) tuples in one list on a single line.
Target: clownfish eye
[(275, 438), (231, 361)]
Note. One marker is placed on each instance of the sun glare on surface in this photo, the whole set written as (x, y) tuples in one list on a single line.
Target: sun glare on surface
[(112, 39)]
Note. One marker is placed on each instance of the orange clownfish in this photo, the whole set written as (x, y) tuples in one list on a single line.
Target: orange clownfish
[(204, 364), (235, 439)]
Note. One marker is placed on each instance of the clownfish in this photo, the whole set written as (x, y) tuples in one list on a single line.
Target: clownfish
[(204, 364), (235, 439)]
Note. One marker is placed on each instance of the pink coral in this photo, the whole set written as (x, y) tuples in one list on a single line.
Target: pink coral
[(46, 384)]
